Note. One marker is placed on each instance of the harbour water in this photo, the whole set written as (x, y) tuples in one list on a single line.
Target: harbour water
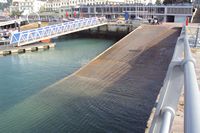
[(113, 94), (26, 75)]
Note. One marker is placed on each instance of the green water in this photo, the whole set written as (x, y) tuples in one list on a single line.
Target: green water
[(25, 75), (32, 100)]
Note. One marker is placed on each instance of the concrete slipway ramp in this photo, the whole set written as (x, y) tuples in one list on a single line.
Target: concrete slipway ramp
[(113, 93)]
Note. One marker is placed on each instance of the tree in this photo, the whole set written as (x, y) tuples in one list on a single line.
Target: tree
[(158, 2), (16, 13), (175, 1), (5, 5), (42, 9), (168, 2)]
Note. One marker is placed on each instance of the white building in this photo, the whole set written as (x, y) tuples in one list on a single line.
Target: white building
[(99, 2), (86, 2), (124, 1), (141, 1), (54, 5), (27, 6)]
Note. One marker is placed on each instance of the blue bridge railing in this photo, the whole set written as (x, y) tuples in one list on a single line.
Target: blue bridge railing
[(25, 37)]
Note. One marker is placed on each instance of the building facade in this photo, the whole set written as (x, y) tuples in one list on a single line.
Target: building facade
[(197, 3), (26, 6), (55, 5), (164, 13)]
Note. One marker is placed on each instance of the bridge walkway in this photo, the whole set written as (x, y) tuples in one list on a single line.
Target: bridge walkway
[(115, 92)]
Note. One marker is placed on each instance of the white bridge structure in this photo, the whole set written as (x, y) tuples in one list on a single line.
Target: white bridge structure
[(47, 32)]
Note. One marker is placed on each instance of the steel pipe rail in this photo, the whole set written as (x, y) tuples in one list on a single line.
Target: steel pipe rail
[(167, 117), (180, 68), (191, 92), (168, 114)]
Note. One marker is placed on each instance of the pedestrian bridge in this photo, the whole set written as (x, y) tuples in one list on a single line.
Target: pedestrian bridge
[(47, 32)]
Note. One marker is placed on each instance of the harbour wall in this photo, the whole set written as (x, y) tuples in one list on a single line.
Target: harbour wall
[(111, 30)]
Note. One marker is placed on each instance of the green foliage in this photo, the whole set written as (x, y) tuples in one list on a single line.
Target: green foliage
[(42, 9), (167, 2), (158, 2), (175, 1), (5, 5), (16, 13)]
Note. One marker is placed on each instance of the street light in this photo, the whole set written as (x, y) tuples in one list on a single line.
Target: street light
[(18, 23), (15, 25)]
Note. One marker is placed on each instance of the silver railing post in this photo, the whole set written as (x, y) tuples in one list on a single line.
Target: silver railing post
[(168, 115), (191, 92), (165, 128)]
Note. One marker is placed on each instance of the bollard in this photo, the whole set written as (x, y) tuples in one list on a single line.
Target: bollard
[(39, 24), (186, 21), (20, 51), (46, 47), (6, 53), (34, 49)]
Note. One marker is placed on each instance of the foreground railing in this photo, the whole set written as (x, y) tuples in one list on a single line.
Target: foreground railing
[(191, 92), (181, 70)]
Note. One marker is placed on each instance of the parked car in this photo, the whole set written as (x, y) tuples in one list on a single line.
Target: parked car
[(120, 20)]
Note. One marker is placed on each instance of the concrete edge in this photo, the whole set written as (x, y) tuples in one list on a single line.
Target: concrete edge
[(30, 48)]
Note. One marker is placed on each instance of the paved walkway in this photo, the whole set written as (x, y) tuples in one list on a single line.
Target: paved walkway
[(113, 93)]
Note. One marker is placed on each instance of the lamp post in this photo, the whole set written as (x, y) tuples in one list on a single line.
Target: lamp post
[(18, 23), (15, 25)]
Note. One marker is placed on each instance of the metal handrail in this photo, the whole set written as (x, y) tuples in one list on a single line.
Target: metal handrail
[(170, 92), (191, 92)]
